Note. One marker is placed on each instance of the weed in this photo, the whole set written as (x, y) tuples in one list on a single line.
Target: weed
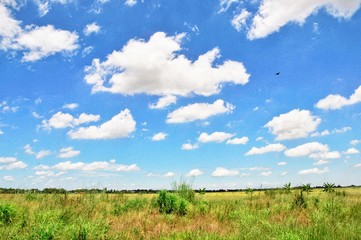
[(7, 213)]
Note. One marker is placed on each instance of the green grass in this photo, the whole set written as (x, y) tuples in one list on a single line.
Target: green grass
[(270, 214)]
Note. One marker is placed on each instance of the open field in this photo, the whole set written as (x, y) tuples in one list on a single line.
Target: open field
[(266, 214)]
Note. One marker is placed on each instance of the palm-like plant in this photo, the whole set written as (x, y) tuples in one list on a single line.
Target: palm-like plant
[(306, 187), (287, 187), (328, 187)]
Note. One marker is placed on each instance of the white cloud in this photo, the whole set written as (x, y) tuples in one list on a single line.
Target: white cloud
[(91, 28), (281, 163), (87, 50), (68, 152), (222, 172), (70, 106), (199, 111), (130, 3), (320, 134), (274, 14), (10, 163), (65, 120), (325, 155), (1, 132), (284, 173), (164, 102), (236, 141), (41, 42), (327, 132), (355, 142), (352, 151), (29, 150), (9, 28), (314, 171), (159, 136), (332, 101), (120, 126), (266, 174), (258, 169), (189, 146), (307, 149), (276, 147), (94, 166), (217, 137), (42, 153), (194, 173), (226, 4), (156, 68), (169, 174), (321, 162), (49, 173), (294, 124), (239, 20), (9, 178), (357, 165)]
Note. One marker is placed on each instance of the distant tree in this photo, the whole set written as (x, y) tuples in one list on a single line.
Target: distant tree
[(306, 187), (328, 187), (287, 187)]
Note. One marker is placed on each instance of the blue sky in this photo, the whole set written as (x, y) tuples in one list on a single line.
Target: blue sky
[(138, 94)]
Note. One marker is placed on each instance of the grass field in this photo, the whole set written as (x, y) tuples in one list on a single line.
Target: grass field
[(266, 214)]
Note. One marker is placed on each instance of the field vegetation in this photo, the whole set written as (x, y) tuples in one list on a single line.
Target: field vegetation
[(284, 213)]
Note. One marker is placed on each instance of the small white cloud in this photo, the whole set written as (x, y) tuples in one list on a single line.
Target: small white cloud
[(352, 151), (159, 136), (238, 141), (189, 146), (169, 174), (314, 171), (68, 152), (222, 172), (355, 142), (130, 3), (226, 4), (239, 20), (217, 137), (284, 173), (120, 126), (65, 120), (9, 178), (91, 28), (70, 106), (29, 150), (321, 162), (294, 124), (266, 174), (320, 134), (164, 102), (42, 154), (307, 149), (358, 165), (332, 101), (194, 173), (86, 51), (36, 115), (94, 166), (281, 163), (276, 147), (10, 163), (325, 155), (199, 111)]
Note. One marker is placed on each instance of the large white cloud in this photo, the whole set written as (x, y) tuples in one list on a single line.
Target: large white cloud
[(35, 42), (217, 137), (223, 172), (307, 149), (274, 14), (333, 101), (199, 111), (65, 120), (155, 67), (120, 126), (277, 147), (294, 124)]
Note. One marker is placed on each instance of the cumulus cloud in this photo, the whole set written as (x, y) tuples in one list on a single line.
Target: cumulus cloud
[(155, 67), (94, 166), (238, 141), (307, 149), (332, 101), (164, 102), (281, 163), (294, 124), (217, 137), (42, 153), (274, 14), (276, 147), (120, 126), (189, 146), (352, 151), (355, 142), (321, 162), (91, 28), (65, 120), (314, 171), (266, 174), (223, 172), (159, 136), (68, 152), (130, 3), (10, 163), (199, 111), (70, 106), (194, 173), (36, 42)]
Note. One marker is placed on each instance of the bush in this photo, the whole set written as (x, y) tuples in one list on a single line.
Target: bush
[(170, 202), (184, 190), (7, 213)]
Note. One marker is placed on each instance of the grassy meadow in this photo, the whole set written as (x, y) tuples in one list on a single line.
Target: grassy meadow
[(183, 214)]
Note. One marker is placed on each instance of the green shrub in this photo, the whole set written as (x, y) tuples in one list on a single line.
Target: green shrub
[(171, 203), (184, 190), (7, 213)]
